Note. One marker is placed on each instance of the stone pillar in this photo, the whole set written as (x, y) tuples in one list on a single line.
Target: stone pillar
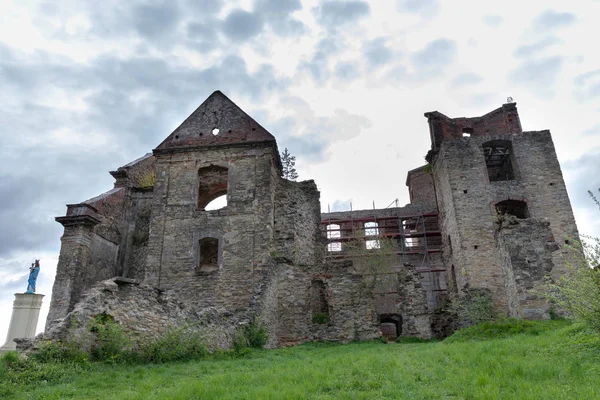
[(73, 261), (24, 319)]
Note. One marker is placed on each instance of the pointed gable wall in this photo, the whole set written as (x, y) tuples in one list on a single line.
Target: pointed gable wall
[(217, 111)]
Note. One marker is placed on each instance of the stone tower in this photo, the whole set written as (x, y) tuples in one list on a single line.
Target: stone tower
[(213, 258), (504, 210)]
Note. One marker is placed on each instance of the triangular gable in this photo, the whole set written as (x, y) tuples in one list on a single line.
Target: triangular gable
[(217, 111)]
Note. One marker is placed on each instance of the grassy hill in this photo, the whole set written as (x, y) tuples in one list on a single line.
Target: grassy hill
[(513, 360)]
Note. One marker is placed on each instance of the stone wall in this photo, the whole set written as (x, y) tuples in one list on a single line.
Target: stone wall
[(526, 247), (467, 202)]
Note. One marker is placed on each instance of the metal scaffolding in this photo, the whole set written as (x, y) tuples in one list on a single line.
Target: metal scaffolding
[(418, 239)]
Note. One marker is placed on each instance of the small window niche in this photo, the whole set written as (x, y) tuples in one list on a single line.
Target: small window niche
[(498, 160), (513, 207), (333, 237), (467, 132), (319, 306), (208, 257)]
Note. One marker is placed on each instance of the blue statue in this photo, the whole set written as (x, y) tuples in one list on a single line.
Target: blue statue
[(33, 274)]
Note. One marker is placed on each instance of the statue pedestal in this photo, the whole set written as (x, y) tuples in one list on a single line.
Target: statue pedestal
[(24, 319)]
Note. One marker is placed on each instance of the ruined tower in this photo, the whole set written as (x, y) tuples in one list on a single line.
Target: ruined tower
[(504, 210)]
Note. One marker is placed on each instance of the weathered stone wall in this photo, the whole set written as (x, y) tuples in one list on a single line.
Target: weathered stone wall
[(142, 311), (244, 228), (526, 247), (421, 189), (467, 201), (297, 218)]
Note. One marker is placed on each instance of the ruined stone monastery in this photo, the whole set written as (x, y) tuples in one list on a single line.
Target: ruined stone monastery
[(489, 212)]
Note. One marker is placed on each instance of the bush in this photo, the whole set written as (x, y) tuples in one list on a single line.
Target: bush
[(252, 334), (112, 344), (320, 318), (473, 307), (176, 344), (578, 291)]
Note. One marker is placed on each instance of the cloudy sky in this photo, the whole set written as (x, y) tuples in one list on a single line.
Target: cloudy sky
[(86, 87)]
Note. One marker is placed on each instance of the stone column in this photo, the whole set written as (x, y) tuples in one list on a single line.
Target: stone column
[(73, 260), (24, 319)]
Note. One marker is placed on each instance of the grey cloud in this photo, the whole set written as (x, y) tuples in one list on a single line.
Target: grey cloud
[(24, 226), (466, 79), (493, 20), (202, 37), (130, 106), (204, 7), (242, 25), (156, 20), (587, 85), (583, 176), (550, 20), (277, 14), (309, 136), (530, 50), (425, 7), (377, 53), (347, 71), (538, 74), (318, 65), (332, 14), (435, 55)]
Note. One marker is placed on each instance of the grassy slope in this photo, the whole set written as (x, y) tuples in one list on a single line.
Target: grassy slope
[(542, 364)]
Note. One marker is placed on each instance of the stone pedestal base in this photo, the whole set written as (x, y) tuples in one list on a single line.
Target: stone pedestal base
[(24, 319)]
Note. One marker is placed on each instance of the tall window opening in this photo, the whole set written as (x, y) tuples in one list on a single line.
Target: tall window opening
[(212, 184), (498, 160), (208, 260), (333, 233), (371, 230), (513, 207), (319, 306)]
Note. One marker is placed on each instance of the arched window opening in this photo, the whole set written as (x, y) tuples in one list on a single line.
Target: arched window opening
[(372, 229), (513, 207), (333, 233), (390, 326), (208, 260), (217, 204), (212, 183), (319, 306), (498, 160)]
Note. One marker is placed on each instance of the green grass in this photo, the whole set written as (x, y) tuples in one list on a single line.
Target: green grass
[(541, 360)]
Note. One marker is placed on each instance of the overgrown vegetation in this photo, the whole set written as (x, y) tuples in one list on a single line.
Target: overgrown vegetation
[(473, 306), (578, 291), (251, 335), (511, 360), (320, 318)]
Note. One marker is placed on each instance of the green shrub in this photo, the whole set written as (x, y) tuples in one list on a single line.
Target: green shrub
[(252, 334), (578, 291), (473, 307), (112, 344), (176, 344), (60, 352), (320, 318)]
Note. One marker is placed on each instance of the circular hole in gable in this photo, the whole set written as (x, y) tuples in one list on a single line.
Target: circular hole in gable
[(215, 131)]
